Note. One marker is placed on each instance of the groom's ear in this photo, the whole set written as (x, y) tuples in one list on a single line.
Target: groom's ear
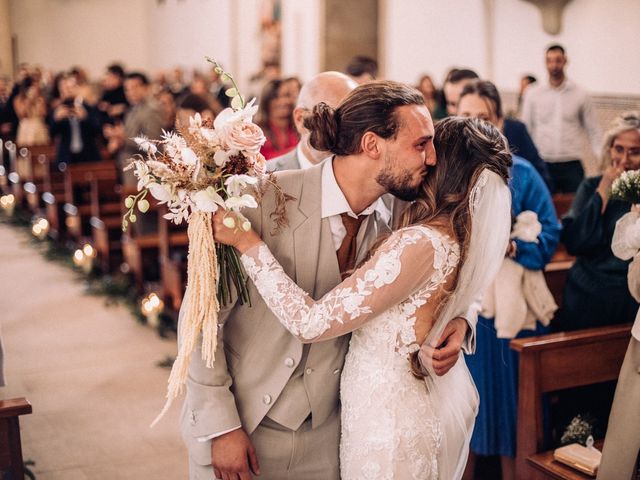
[(371, 145)]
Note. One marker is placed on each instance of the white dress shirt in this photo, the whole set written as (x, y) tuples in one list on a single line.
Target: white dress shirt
[(302, 158), (557, 118), (334, 203)]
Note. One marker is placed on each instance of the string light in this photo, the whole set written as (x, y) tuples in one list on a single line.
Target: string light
[(40, 228), (8, 203), (151, 307), (83, 257)]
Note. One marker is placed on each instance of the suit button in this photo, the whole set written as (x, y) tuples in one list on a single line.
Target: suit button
[(193, 419), (336, 371), (289, 362), (266, 399), (308, 371)]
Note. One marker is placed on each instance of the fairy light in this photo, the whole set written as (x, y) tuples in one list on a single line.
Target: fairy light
[(83, 258), (8, 203), (40, 228), (151, 307)]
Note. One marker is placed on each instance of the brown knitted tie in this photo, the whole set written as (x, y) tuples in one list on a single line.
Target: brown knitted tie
[(348, 249)]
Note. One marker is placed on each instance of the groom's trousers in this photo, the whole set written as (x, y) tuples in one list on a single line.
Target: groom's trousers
[(284, 454)]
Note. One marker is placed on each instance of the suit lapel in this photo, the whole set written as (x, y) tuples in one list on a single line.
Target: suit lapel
[(306, 235), (316, 264)]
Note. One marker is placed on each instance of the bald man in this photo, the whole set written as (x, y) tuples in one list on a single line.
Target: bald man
[(327, 87)]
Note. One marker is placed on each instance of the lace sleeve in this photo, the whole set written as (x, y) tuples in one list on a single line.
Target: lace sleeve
[(412, 259)]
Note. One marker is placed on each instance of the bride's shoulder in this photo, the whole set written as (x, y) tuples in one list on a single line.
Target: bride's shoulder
[(434, 235)]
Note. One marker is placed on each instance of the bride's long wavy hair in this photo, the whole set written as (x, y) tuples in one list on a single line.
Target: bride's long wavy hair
[(464, 148)]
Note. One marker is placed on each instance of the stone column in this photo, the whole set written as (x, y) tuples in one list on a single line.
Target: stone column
[(6, 52), (351, 28)]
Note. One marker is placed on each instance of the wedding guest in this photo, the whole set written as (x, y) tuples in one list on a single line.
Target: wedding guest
[(177, 83), (622, 442), (200, 86), (557, 114), (515, 131), (596, 292), (328, 87), (143, 118), (31, 109), (525, 82), (5, 119), (432, 97), (85, 89), (275, 117), (362, 69), (188, 106), (167, 104), (456, 80), (113, 103), (524, 306), (292, 86), (74, 125)]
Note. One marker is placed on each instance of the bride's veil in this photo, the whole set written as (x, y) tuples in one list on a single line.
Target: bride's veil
[(454, 396)]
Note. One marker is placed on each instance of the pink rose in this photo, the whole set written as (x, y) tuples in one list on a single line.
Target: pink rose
[(247, 137), (260, 164)]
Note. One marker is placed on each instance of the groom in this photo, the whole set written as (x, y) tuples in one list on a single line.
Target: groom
[(270, 405)]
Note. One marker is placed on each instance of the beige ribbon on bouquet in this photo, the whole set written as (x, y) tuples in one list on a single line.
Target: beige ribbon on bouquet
[(200, 305)]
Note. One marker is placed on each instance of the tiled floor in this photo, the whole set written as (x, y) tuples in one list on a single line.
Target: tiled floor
[(89, 372)]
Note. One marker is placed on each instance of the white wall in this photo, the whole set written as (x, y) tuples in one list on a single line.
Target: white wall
[(58, 34), (142, 34), (416, 36), (601, 39), (302, 30), (435, 35), (419, 36)]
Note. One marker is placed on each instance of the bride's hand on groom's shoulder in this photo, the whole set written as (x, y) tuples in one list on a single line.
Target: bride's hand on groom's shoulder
[(231, 230), (445, 355)]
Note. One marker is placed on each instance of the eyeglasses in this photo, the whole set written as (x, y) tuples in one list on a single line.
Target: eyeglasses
[(632, 153)]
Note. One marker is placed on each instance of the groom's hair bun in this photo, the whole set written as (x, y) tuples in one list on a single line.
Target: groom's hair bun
[(323, 127), (371, 107)]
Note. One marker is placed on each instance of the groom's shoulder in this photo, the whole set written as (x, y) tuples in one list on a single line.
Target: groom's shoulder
[(291, 181)]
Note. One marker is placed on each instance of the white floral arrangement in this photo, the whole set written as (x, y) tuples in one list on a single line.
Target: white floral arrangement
[(196, 171), (627, 187)]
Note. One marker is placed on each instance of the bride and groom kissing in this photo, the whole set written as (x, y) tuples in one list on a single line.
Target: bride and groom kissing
[(367, 381)]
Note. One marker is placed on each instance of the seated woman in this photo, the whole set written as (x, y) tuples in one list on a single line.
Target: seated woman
[(494, 367), (596, 292), (276, 119)]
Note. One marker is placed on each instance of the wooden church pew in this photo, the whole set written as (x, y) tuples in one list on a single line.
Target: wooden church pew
[(558, 361), (77, 181), (10, 445)]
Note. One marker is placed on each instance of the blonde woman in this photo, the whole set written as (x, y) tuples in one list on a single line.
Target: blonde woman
[(596, 292)]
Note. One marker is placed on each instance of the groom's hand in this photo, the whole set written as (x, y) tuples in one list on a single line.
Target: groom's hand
[(233, 456), (447, 351)]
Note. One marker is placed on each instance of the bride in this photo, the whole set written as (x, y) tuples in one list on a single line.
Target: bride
[(399, 419)]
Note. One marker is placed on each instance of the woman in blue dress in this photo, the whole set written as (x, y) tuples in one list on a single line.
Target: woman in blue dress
[(494, 366)]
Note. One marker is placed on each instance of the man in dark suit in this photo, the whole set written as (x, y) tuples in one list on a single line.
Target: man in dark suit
[(75, 125)]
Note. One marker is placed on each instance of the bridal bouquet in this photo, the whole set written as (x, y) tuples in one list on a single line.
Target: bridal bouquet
[(195, 171), (627, 187)]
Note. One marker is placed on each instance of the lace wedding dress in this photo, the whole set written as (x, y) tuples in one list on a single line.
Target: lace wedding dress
[(389, 429)]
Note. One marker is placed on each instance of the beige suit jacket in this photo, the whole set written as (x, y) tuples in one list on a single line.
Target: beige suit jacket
[(253, 360)]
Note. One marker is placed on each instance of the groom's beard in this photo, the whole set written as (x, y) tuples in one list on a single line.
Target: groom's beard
[(400, 185)]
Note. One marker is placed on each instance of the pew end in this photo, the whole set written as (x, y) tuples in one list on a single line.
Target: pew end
[(553, 362)]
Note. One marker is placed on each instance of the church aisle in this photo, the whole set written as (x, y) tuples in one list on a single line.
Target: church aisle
[(88, 370)]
